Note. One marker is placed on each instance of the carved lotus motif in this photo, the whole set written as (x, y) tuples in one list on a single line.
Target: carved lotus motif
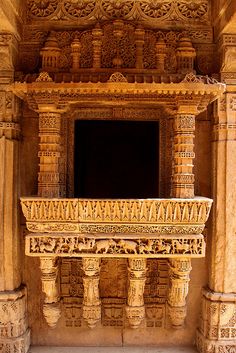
[(155, 8), (117, 8), (79, 8), (192, 9), (42, 8)]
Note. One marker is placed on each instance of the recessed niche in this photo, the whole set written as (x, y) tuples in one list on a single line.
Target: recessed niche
[(116, 159)]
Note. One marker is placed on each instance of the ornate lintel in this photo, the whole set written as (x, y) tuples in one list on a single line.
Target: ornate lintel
[(166, 94)]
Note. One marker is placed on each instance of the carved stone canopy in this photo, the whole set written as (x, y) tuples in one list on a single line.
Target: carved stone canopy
[(45, 94)]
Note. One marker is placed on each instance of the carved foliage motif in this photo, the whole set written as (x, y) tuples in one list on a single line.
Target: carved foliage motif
[(78, 8), (184, 10), (42, 8)]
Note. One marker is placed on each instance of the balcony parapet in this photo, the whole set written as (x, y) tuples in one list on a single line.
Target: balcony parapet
[(116, 228)]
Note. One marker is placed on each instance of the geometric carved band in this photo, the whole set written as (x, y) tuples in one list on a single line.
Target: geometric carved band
[(128, 211)]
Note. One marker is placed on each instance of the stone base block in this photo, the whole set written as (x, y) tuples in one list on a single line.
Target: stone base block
[(217, 329), (15, 345), (14, 332), (205, 345)]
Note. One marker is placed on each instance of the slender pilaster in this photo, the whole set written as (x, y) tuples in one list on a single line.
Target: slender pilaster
[(51, 306), (183, 156), (135, 309), (91, 302), (179, 270), (49, 154)]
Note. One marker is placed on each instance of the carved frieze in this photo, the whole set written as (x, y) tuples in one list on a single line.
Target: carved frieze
[(80, 246), (145, 10)]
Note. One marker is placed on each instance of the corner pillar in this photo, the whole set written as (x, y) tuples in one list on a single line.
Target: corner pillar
[(217, 329), (14, 331)]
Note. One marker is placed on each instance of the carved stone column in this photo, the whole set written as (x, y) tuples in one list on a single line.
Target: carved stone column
[(182, 176), (97, 47), (49, 153), (51, 307), (14, 332), (91, 302), (217, 330), (179, 270), (139, 42), (135, 310)]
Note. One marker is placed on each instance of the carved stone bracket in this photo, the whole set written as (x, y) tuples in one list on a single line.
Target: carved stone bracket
[(135, 309), (217, 330), (51, 307), (91, 302), (179, 282)]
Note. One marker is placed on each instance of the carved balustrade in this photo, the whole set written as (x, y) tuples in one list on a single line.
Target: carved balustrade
[(133, 229)]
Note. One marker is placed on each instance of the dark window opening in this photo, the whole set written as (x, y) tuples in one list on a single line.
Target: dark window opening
[(116, 159)]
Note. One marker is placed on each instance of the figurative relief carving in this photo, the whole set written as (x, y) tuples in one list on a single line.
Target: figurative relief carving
[(78, 246)]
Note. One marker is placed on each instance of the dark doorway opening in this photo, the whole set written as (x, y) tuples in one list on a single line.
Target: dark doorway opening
[(116, 159)]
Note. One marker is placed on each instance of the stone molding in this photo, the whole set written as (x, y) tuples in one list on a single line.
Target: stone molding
[(156, 211)]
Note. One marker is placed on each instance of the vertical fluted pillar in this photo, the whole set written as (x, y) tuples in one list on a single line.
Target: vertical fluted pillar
[(97, 47), (139, 42), (179, 270), (183, 156), (49, 154), (135, 309), (91, 301)]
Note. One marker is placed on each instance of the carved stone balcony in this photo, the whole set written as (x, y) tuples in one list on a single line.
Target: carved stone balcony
[(116, 228)]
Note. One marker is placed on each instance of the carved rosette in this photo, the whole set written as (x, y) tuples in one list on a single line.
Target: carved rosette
[(51, 307), (91, 301), (178, 291), (135, 310)]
